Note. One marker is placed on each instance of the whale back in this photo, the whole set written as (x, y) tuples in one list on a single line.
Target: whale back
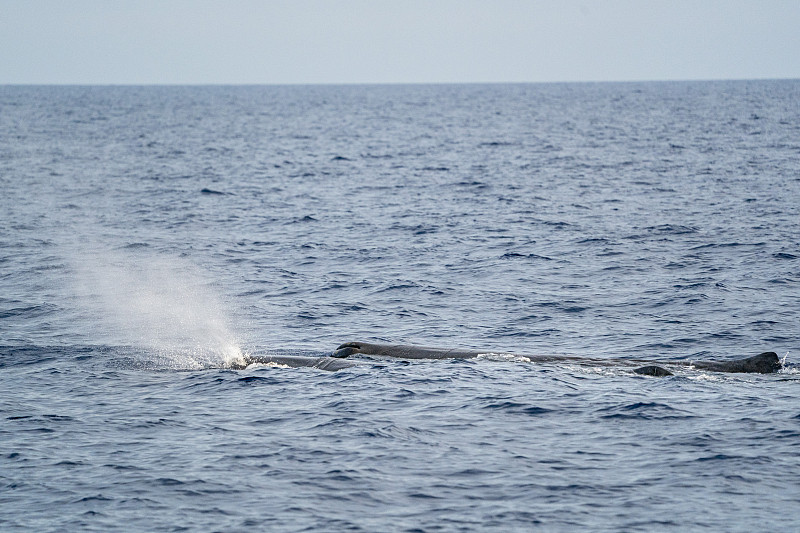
[(402, 351), (764, 363)]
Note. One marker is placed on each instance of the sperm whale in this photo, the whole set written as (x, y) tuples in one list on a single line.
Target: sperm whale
[(763, 363)]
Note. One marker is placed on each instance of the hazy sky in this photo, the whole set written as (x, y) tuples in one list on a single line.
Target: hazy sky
[(405, 41)]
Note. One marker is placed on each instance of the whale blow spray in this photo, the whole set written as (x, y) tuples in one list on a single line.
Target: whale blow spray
[(163, 305)]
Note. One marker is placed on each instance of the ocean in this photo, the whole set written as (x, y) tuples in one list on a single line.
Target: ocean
[(151, 235)]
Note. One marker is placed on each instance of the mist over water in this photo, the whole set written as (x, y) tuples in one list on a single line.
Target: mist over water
[(161, 304), (151, 235)]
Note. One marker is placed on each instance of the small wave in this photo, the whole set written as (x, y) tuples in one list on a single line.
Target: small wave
[(29, 355), (726, 245), (718, 457), (517, 255), (247, 380), (556, 223), (307, 218), (642, 411), (28, 312), (671, 229), (497, 144), (516, 407), (97, 498), (168, 481)]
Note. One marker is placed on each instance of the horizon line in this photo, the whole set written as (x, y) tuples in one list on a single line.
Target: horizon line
[(380, 83)]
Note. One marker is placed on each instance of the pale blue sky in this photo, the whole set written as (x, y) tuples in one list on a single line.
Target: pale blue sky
[(402, 41)]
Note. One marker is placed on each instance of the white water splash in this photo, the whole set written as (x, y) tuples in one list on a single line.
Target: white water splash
[(503, 357), (164, 305), (270, 364), (793, 369)]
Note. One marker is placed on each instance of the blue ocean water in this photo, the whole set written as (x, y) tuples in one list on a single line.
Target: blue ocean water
[(148, 235)]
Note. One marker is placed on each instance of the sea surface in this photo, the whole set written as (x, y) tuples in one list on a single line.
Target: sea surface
[(151, 235)]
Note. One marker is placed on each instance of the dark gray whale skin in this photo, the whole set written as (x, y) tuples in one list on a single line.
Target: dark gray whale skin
[(764, 363)]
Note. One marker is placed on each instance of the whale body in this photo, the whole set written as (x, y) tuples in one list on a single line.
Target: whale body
[(764, 363)]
